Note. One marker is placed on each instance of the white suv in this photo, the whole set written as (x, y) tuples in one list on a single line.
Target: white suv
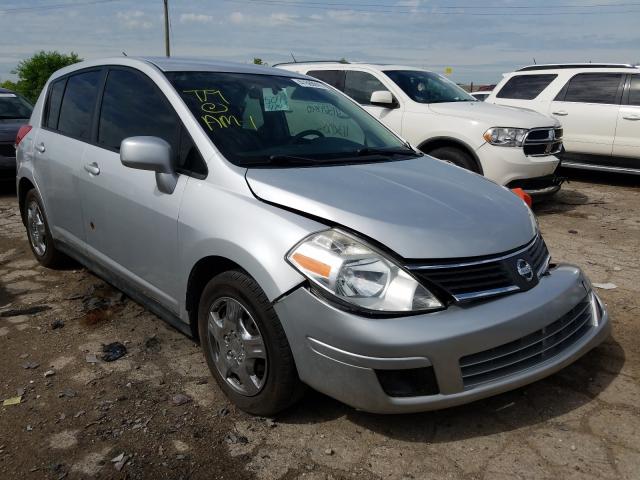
[(510, 146), (598, 105)]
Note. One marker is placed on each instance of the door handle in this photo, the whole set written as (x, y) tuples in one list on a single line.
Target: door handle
[(92, 168), (560, 113), (632, 117), (40, 147)]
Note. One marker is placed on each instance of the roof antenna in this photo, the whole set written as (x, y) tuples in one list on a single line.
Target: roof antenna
[(124, 53), (534, 61), (294, 58)]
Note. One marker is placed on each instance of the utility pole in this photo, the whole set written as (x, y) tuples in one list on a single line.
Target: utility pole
[(167, 49)]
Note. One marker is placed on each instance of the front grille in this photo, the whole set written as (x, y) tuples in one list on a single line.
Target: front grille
[(527, 351), (481, 278), (543, 141), (7, 150)]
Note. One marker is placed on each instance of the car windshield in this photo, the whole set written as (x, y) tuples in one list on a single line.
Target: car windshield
[(427, 87), (14, 106), (262, 120)]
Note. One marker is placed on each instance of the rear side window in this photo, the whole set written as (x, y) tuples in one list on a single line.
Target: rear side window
[(360, 86), (525, 87), (78, 103), (592, 88), (634, 91), (53, 104), (132, 105), (335, 78)]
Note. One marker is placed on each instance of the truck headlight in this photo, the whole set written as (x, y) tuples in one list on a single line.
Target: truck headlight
[(357, 274), (505, 137)]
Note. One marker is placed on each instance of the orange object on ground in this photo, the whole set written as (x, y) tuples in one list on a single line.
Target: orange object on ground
[(526, 198)]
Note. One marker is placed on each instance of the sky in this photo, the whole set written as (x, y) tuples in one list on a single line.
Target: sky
[(479, 40)]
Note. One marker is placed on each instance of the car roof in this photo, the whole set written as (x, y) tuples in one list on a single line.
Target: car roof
[(351, 65), (577, 66), (4, 90), (181, 64)]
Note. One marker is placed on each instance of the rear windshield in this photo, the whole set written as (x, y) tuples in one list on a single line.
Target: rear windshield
[(427, 87), (252, 118), (525, 87), (14, 106)]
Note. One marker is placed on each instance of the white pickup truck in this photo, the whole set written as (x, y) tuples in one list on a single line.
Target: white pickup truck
[(511, 146)]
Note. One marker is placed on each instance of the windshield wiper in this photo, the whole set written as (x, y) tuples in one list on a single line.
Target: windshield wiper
[(387, 151), (283, 160)]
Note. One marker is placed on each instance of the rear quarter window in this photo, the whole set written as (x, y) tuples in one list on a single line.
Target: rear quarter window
[(525, 87)]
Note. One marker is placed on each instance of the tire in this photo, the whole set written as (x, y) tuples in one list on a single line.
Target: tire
[(274, 385), (456, 156), (45, 251)]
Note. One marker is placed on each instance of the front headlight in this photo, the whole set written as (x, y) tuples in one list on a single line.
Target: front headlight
[(354, 273), (505, 137)]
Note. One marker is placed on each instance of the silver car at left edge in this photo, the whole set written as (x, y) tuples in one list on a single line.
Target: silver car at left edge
[(301, 241)]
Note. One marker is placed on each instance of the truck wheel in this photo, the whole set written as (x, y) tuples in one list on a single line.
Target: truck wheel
[(40, 239), (245, 346), (456, 156)]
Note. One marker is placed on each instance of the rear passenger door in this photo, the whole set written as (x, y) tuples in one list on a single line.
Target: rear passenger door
[(131, 226), (627, 141), (59, 147), (587, 106)]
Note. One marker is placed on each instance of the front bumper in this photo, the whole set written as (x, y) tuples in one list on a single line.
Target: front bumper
[(341, 354), (505, 165)]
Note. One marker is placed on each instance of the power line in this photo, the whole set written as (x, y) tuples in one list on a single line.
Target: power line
[(56, 6), (437, 10), (445, 7)]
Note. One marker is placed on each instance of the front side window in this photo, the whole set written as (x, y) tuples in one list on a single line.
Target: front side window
[(592, 88), (360, 86), (428, 87), (53, 104), (254, 119), (634, 91), (133, 106), (76, 111), (13, 106), (525, 87), (335, 78)]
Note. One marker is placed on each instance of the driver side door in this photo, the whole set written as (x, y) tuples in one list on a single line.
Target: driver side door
[(359, 85), (131, 226)]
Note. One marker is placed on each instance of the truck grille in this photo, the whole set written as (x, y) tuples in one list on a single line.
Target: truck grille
[(480, 278), (543, 141), (7, 150), (527, 351)]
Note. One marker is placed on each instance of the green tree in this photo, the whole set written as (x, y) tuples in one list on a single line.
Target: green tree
[(34, 72), (258, 61), (8, 84)]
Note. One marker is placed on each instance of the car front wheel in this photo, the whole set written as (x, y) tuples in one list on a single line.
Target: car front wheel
[(245, 346)]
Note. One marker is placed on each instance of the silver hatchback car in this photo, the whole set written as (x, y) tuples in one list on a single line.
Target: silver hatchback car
[(301, 241)]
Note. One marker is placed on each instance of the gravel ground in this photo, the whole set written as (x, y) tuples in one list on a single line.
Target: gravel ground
[(156, 412)]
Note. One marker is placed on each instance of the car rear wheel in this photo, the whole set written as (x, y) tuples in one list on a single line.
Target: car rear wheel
[(245, 346), (455, 156), (40, 239)]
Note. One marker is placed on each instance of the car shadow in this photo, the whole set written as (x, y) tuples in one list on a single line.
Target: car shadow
[(559, 398), (7, 186)]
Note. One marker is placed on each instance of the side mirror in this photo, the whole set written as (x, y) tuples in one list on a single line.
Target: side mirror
[(383, 98), (150, 153)]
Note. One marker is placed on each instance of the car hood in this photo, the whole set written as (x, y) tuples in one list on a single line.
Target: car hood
[(9, 128), (494, 115), (420, 209)]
